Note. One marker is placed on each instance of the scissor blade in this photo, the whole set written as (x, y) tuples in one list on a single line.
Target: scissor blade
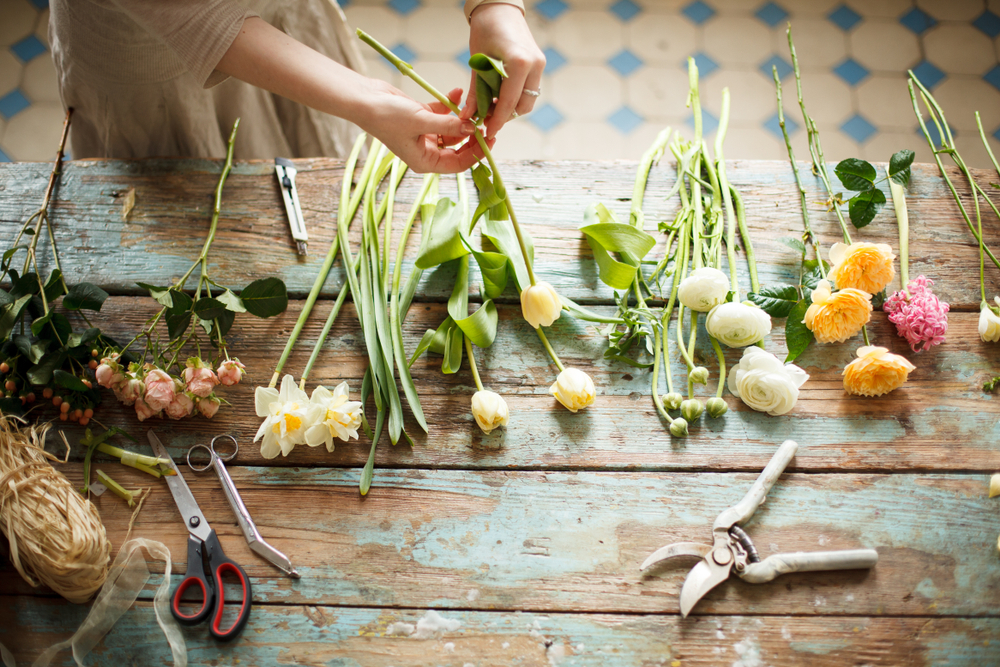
[(674, 550), (702, 578), (194, 520)]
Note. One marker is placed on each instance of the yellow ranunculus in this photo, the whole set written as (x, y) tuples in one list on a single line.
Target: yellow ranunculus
[(574, 389), (489, 409), (540, 305), (834, 317), (863, 266), (875, 372)]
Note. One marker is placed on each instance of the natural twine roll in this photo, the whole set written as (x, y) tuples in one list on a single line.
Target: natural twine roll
[(56, 535)]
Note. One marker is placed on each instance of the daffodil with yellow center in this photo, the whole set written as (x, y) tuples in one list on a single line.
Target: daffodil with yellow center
[(285, 415), (333, 414)]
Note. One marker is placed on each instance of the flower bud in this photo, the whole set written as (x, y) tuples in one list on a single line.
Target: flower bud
[(540, 305), (692, 409), (698, 375), (574, 389), (489, 409), (673, 400), (679, 428), (231, 372), (716, 407)]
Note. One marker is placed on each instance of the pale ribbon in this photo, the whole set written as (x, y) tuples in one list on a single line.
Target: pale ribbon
[(126, 578)]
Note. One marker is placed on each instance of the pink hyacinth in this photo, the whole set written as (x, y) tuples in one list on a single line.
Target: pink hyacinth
[(920, 317)]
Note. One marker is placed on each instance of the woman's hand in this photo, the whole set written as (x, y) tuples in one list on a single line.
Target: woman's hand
[(500, 31)]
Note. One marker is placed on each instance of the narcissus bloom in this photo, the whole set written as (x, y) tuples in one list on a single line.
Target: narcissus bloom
[(540, 305), (834, 317), (704, 289), (875, 372), (489, 409), (863, 266), (332, 414), (285, 418), (574, 389), (989, 323)]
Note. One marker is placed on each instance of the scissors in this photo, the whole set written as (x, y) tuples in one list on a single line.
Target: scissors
[(249, 528), (732, 548), (203, 545)]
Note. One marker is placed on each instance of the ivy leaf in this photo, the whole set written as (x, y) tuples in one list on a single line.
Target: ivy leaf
[(68, 380), (797, 335), (209, 309), (776, 300), (793, 243), (266, 297), (160, 294), (865, 206), (232, 302), (899, 166), (85, 296), (855, 174)]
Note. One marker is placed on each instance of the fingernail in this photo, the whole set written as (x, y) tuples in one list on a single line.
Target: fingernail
[(468, 127)]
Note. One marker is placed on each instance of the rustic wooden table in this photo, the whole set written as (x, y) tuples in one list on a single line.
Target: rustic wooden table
[(532, 538)]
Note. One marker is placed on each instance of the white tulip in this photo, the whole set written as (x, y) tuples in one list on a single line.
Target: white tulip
[(489, 409), (738, 324), (704, 289), (989, 323), (541, 305), (764, 383), (574, 389)]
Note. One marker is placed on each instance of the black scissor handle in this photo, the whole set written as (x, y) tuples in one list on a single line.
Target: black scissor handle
[(195, 576), (221, 565)]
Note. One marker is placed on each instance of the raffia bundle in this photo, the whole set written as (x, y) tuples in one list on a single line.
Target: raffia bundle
[(56, 535)]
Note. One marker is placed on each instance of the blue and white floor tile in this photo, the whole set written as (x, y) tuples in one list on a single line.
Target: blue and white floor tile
[(616, 72)]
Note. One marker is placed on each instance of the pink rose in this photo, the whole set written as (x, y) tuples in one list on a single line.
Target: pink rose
[(200, 381), (103, 375), (143, 411), (231, 372), (159, 390), (208, 406), (180, 407), (131, 391)]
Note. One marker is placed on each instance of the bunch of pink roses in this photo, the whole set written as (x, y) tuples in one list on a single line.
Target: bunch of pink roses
[(154, 392)]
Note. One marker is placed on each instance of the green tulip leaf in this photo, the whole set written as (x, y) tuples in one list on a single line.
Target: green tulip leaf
[(444, 243)]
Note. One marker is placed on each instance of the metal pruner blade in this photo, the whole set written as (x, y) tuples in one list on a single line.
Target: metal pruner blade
[(676, 550), (703, 577)]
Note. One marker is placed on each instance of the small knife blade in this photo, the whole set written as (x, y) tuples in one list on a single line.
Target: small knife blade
[(285, 169)]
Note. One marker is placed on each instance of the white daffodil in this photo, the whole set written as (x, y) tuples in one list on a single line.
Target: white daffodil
[(332, 414), (285, 418)]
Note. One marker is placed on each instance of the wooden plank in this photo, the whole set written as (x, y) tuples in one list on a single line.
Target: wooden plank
[(173, 198), (557, 541), (940, 420), (309, 635)]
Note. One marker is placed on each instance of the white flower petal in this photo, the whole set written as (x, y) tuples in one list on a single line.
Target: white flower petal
[(263, 397)]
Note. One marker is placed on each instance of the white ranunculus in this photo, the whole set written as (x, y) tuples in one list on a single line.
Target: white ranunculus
[(704, 289), (989, 323), (333, 414), (489, 409), (764, 383), (285, 418), (738, 324)]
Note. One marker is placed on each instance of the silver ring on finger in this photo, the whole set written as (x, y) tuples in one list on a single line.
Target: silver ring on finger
[(513, 115), (532, 93)]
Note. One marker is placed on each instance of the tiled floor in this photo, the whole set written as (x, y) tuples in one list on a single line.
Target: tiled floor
[(616, 71)]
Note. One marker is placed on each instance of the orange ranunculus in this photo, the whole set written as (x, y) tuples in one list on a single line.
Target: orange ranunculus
[(834, 317), (863, 266), (875, 372)]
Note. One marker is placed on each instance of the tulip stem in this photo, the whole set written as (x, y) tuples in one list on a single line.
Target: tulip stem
[(408, 70), (548, 348), (722, 366), (472, 363)]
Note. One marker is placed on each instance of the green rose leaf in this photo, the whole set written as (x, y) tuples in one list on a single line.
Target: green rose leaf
[(865, 206), (10, 314), (177, 324), (209, 309), (266, 297), (776, 300), (856, 174), (793, 243), (85, 296), (68, 380), (899, 166), (232, 302), (41, 373), (54, 286), (162, 295), (797, 334)]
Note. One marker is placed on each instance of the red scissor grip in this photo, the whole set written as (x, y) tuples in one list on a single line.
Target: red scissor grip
[(241, 619), (184, 585)]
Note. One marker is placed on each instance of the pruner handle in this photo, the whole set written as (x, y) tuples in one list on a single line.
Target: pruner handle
[(744, 509), (814, 561)]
